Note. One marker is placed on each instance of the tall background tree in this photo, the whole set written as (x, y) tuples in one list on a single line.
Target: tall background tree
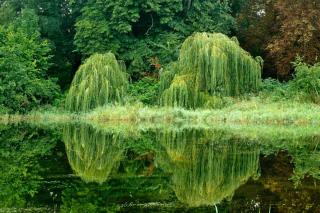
[(255, 21), (279, 30), (297, 34), (146, 34), (56, 24)]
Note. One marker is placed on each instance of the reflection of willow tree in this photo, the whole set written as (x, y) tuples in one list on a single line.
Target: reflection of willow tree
[(92, 153), (206, 167)]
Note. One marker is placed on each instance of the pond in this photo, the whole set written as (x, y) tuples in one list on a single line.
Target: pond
[(82, 167)]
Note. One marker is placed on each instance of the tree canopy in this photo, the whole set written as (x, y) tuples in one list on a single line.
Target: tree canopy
[(137, 31)]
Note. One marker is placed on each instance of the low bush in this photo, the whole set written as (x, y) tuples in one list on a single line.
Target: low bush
[(306, 82), (304, 87), (145, 91)]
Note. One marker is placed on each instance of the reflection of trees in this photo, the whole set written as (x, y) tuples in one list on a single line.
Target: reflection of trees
[(206, 167), (306, 158), (303, 148), (92, 153), (86, 197), (291, 197), (22, 148)]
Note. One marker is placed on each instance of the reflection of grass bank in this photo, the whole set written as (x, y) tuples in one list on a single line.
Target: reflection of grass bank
[(42, 117), (242, 112)]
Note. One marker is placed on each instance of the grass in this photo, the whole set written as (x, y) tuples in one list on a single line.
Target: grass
[(252, 111)]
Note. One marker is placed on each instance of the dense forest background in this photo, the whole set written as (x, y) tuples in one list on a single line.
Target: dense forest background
[(43, 42)]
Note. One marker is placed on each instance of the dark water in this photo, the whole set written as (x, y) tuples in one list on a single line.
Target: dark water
[(82, 168)]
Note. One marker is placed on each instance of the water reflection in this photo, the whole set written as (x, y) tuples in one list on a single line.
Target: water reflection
[(23, 151), (206, 166), (92, 153), (236, 168)]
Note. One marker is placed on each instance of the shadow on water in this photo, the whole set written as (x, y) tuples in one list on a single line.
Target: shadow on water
[(85, 168)]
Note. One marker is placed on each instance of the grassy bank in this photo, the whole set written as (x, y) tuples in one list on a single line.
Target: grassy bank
[(245, 112), (242, 112)]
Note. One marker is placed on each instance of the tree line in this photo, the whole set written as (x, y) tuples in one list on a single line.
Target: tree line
[(43, 42)]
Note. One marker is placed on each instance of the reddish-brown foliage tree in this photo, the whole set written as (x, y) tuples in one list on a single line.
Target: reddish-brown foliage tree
[(298, 34)]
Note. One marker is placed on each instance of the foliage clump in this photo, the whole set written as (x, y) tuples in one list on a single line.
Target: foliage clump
[(100, 80), (307, 81), (209, 64)]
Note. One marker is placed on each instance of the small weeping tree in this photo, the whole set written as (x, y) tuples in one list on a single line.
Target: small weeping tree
[(209, 64), (207, 166), (99, 81)]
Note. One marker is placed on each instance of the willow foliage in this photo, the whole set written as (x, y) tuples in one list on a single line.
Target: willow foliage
[(92, 153), (206, 167), (100, 80), (215, 65)]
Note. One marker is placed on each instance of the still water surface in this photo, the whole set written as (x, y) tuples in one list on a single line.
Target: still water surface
[(85, 168)]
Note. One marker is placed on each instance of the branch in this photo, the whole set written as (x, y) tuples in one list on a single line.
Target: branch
[(159, 45), (147, 33), (189, 4)]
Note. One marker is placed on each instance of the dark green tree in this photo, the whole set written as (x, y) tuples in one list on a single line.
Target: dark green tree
[(24, 61), (56, 24)]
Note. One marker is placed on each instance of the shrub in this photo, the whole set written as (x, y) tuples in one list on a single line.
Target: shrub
[(274, 90), (145, 90), (306, 83)]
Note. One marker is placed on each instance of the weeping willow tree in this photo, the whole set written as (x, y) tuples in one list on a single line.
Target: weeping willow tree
[(92, 153), (100, 80), (209, 64), (206, 167)]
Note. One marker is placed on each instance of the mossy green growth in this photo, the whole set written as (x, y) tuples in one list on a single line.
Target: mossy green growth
[(99, 81), (215, 65)]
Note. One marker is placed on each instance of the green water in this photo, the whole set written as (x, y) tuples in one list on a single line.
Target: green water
[(86, 168)]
